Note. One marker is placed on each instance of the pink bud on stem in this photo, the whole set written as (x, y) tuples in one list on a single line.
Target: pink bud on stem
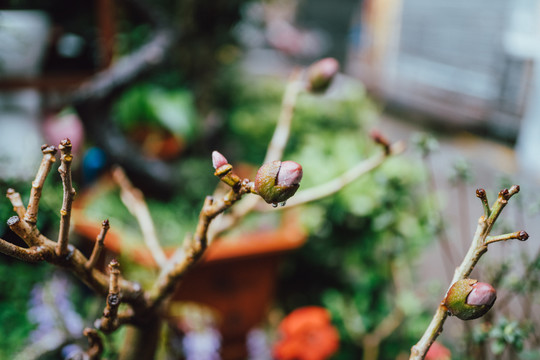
[(218, 160), (321, 73)]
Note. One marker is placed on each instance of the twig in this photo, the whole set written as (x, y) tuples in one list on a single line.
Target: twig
[(95, 344), (32, 254), (184, 260), (75, 262), (283, 128), (15, 199), (481, 194), (134, 200), (109, 321), (69, 193), (98, 245), (37, 185), (479, 246), (518, 235), (335, 185)]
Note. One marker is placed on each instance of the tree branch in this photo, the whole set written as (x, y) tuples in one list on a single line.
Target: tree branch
[(133, 199), (179, 264), (335, 185), (32, 255), (109, 321), (15, 199), (37, 185), (479, 246), (69, 193), (283, 127), (98, 245)]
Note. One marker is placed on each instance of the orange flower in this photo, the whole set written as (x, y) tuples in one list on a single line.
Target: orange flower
[(307, 334), (437, 351)]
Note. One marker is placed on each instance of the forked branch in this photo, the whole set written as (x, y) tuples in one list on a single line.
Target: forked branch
[(479, 246)]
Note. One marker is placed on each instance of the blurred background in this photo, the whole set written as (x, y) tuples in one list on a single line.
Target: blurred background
[(155, 88)]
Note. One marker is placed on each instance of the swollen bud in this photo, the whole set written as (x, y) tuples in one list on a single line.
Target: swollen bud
[(321, 74), (218, 160), (277, 181), (469, 299)]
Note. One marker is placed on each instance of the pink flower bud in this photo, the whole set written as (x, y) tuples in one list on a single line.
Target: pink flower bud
[(277, 181), (321, 74), (218, 160), (468, 299), (482, 294)]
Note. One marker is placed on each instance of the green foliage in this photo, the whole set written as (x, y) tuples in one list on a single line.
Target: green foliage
[(502, 335), (156, 106), (14, 325)]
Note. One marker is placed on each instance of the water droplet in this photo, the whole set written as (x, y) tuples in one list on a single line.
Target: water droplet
[(274, 205), (283, 203)]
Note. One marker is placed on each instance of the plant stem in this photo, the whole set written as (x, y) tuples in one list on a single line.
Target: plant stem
[(69, 193), (479, 246), (37, 185)]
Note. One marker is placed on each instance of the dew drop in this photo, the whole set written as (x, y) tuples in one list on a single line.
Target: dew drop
[(283, 203), (274, 205)]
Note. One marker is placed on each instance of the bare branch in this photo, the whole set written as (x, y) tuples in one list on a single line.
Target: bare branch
[(134, 200), (335, 185), (28, 233), (16, 201), (109, 321), (283, 127), (98, 245), (66, 159), (479, 246), (517, 235), (481, 194), (195, 247), (37, 185), (33, 254)]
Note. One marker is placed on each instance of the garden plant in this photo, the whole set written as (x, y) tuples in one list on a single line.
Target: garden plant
[(379, 207)]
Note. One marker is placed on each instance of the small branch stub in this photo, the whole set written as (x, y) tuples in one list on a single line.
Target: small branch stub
[(98, 246), (109, 321), (481, 194)]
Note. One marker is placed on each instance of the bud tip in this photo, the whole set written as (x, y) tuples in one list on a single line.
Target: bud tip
[(218, 160)]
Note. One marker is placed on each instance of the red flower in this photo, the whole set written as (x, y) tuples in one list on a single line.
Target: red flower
[(307, 334), (437, 351)]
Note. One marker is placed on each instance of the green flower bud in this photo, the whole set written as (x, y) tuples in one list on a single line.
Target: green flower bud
[(321, 73), (277, 181), (469, 299)]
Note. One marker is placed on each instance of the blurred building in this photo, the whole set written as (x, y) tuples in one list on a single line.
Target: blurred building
[(463, 63)]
